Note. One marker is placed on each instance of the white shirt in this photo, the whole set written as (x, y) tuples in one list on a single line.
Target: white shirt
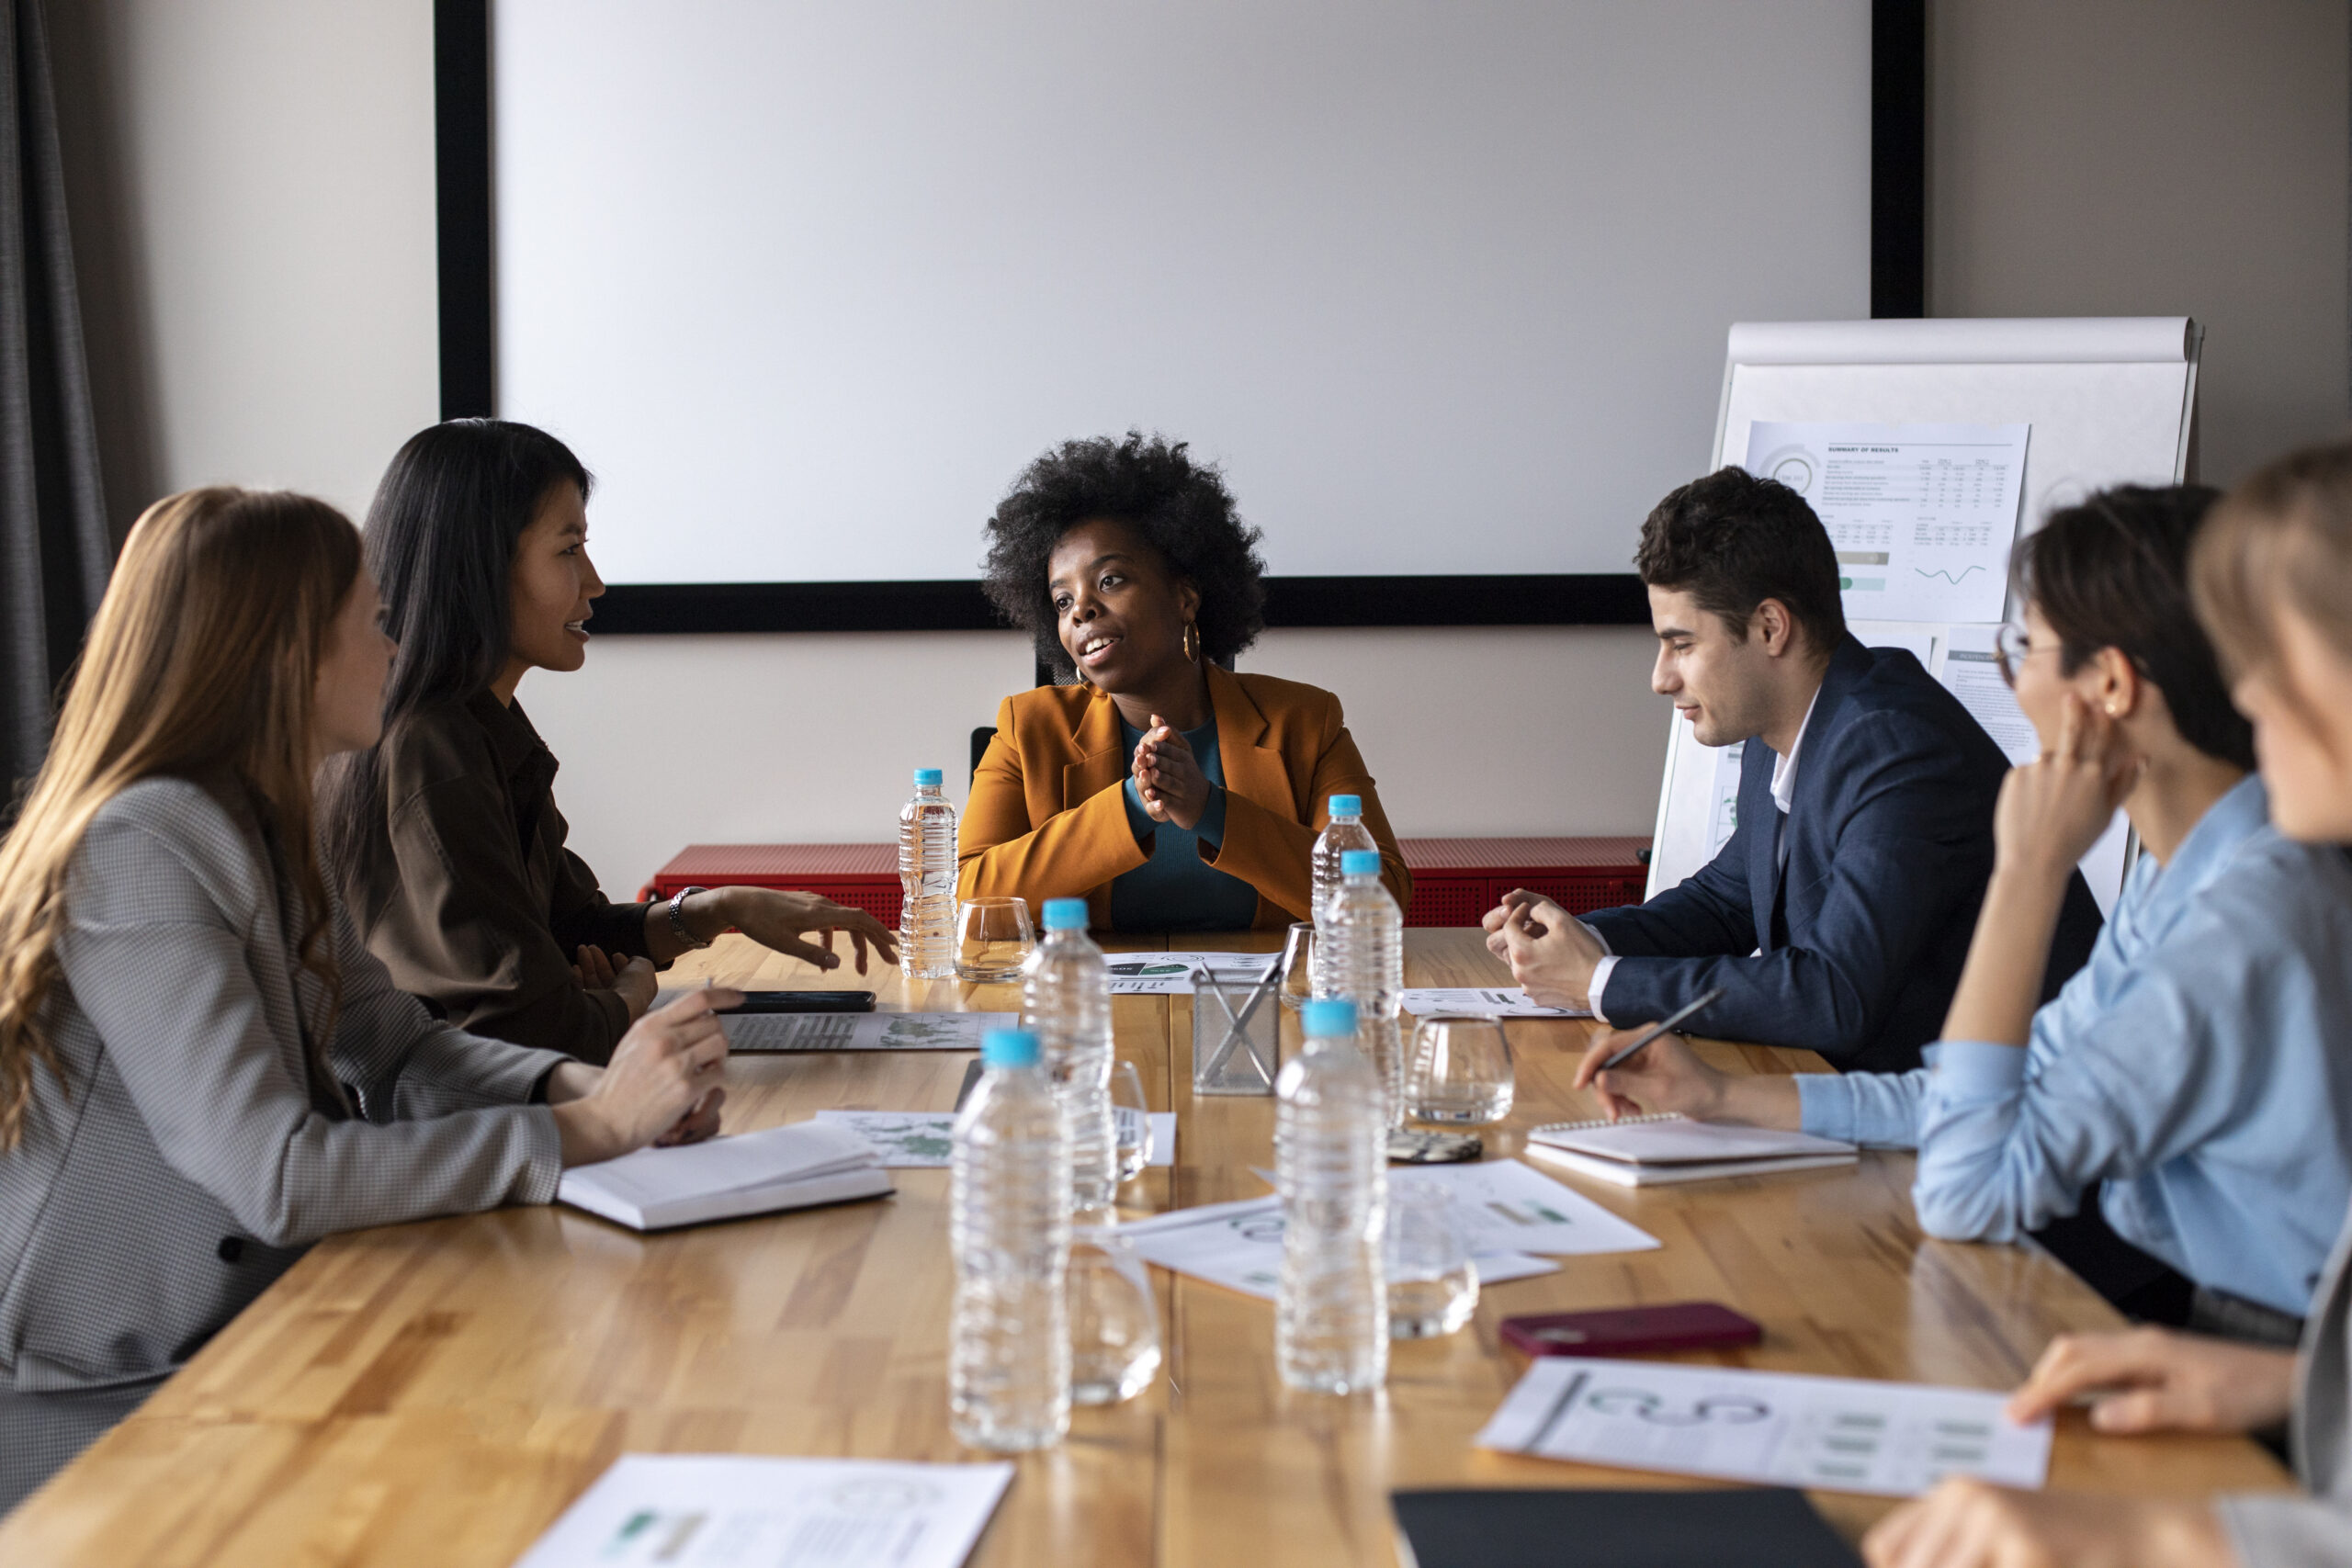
[(1784, 790)]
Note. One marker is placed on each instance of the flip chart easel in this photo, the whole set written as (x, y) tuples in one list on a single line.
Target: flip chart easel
[(2111, 400)]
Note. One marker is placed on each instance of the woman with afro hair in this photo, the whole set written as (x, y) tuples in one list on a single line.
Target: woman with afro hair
[(1170, 792)]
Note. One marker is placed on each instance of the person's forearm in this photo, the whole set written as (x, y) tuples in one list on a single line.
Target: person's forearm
[(1760, 1100), (2000, 984), (709, 914), (587, 1139)]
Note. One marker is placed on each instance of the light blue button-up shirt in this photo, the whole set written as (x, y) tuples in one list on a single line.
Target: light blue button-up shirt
[(2200, 1066)]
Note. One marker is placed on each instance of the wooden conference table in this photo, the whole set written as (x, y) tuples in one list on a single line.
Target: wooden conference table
[(438, 1393)]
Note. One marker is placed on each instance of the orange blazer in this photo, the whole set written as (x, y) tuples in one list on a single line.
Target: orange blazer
[(1048, 817)]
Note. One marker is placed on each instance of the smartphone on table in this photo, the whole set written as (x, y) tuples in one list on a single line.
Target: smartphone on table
[(1631, 1331)]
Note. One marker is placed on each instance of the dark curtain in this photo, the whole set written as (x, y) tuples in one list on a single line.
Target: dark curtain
[(54, 549)]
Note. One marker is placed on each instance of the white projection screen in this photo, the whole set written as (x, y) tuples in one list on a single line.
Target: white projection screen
[(1443, 287)]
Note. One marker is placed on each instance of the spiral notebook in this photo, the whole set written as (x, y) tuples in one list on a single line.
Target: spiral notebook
[(1647, 1151)]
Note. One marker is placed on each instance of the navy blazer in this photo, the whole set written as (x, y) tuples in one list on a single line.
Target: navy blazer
[(1858, 944)]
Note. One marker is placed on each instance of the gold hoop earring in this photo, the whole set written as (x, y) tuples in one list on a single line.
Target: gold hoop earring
[(1192, 643)]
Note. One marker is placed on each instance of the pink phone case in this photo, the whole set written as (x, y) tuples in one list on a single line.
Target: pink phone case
[(1628, 1331)]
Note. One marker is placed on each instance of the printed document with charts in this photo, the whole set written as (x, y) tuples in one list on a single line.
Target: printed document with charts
[(731, 1510), (1839, 1434)]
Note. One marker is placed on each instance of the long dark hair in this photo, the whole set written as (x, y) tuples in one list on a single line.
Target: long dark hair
[(440, 539), (2112, 571)]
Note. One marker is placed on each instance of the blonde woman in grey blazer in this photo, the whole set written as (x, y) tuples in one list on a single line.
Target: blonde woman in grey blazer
[(2273, 583), (202, 1068)]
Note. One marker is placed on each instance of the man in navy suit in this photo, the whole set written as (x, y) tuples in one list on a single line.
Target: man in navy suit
[(1836, 917)]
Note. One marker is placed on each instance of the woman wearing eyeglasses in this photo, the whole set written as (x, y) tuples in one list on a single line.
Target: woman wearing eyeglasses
[(2198, 1069)]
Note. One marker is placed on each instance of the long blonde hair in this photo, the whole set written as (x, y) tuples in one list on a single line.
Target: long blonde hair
[(202, 662)]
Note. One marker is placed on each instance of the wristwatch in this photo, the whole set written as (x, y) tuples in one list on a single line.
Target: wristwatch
[(678, 918)]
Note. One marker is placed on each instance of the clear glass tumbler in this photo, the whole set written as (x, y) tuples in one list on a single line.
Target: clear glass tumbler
[(1298, 964), (1432, 1284), (1461, 1072), (1131, 1113), (1113, 1319), (993, 939)]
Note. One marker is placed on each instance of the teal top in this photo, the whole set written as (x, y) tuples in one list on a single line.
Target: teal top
[(1176, 890)]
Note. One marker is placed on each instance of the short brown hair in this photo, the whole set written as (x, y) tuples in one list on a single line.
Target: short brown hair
[(2112, 571), (2282, 536), (1732, 540)]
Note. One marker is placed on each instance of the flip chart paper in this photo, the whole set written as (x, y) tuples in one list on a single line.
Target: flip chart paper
[(1836, 1434), (1922, 515)]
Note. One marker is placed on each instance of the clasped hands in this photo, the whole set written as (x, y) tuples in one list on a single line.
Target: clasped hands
[(1169, 776), (1550, 951)]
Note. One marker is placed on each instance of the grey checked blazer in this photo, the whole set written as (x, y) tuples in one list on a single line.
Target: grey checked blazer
[(191, 1161)]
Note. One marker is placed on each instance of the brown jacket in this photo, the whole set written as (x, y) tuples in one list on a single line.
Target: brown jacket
[(472, 899), (1048, 819)]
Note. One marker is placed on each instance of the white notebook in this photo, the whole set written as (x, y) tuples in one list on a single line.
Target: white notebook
[(750, 1173), (1644, 1151)]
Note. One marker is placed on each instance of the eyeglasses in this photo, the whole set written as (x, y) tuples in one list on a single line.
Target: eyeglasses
[(2012, 645)]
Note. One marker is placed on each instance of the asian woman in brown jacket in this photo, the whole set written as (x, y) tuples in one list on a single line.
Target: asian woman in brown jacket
[(446, 835)]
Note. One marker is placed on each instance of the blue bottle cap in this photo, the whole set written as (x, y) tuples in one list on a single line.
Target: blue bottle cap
[(1008, 1048), (1359, 862), (1066, 914), (1328, 1016), (1346, 805), (929, 778)]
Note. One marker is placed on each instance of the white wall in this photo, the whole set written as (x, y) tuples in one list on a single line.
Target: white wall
[(272, 237), (276, 203)]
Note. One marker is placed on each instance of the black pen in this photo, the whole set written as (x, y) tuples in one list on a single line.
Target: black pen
[(1655, 1030)]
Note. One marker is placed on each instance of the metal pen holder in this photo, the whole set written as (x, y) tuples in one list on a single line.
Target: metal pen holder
[(1236, 1031)]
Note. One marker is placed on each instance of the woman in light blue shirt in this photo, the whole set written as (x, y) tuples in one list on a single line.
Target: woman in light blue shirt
[(2199, 1067)]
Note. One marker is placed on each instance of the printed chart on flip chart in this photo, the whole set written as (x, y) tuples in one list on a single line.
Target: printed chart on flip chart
[(1922, 515), (1838, 1434)]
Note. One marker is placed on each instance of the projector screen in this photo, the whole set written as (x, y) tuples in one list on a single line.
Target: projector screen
[(1443, 288)]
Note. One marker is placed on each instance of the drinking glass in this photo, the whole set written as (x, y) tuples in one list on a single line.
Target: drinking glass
[(1461, 1072), (1132, 1114), (993, 938), (1113, 1319), (1432, 1284), (1298, 964)]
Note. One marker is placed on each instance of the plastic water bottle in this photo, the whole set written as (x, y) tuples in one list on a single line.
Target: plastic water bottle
[(1344, 831), (927, 880), (1367, 944), (1008, 1355), (1332, 1161), (1066, 998)]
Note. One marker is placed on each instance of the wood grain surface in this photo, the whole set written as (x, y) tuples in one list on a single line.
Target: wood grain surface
[(438, 1393)]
